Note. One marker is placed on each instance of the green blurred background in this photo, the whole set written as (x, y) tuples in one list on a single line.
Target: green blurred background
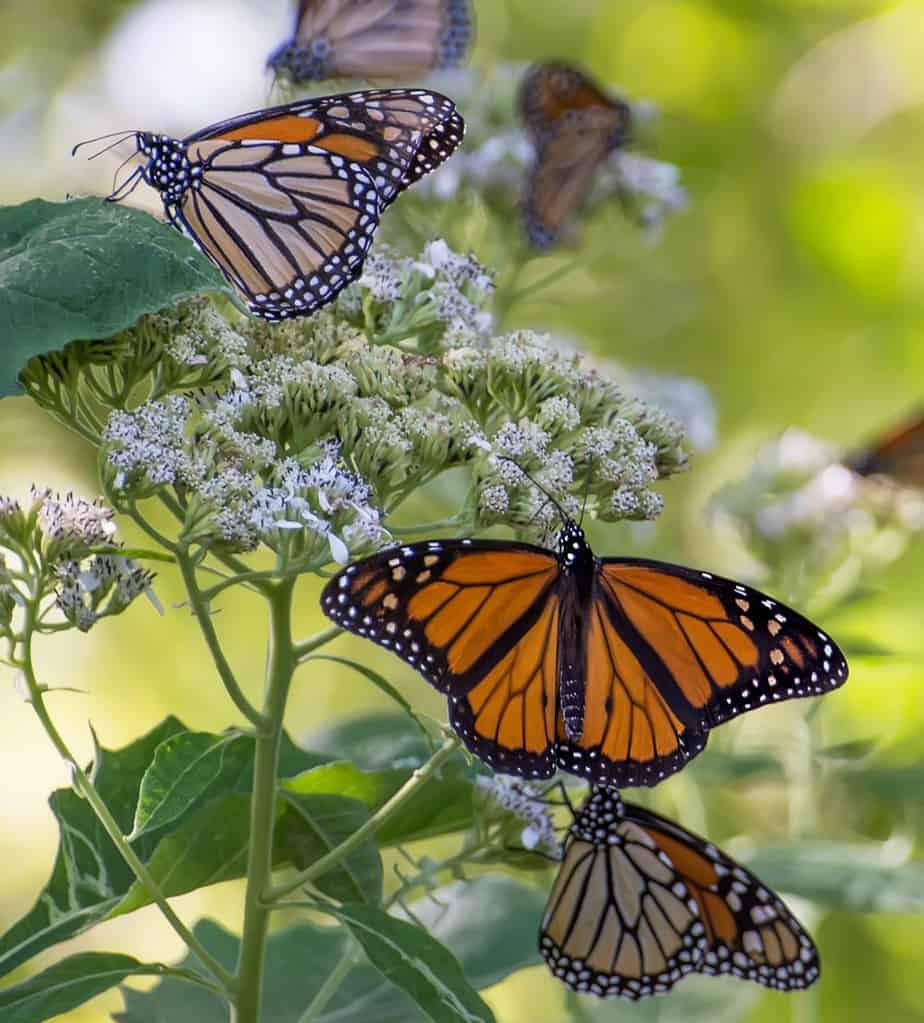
[(791, 287)]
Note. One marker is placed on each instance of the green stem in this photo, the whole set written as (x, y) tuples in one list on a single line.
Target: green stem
[(320, 867), (87, 790), (332, 985), (308, 646), (427, 527), (199, 605), (280, 666)]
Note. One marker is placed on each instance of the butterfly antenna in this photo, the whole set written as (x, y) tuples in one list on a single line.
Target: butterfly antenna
[(123, 136), (565, 517), (590, 469)]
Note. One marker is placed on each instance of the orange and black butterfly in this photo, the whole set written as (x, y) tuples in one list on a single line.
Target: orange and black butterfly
[(899, 454), (574, 127), (374, 38), (640, 902), (285, 201), (613, 669)]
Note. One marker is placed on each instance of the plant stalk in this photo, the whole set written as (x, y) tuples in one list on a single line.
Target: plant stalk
[(280, 666), (87, 790)]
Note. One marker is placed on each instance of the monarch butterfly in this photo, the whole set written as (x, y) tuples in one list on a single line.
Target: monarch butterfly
[(640, 902), (574, 127), (614, 669), (362, 38), (899, 454), (285, 201)]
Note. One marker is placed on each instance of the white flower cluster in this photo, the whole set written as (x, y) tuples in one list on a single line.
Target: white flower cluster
[(523, 800), (807, 516), (64, 535), (438, 296)]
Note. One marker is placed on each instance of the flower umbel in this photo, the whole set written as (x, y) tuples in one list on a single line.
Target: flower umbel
[(60, 552)]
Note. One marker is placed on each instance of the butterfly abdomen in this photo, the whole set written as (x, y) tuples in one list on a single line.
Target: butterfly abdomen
[(578, 568)]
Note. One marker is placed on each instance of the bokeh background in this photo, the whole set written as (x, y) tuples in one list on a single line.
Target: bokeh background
[(791, 286)]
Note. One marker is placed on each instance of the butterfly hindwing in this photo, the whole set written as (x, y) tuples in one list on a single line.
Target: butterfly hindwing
[(715, 648)]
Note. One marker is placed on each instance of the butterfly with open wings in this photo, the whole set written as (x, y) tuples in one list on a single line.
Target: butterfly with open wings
[(285, 201), (613, 669)]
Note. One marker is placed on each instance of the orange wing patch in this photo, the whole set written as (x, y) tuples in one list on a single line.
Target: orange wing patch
[(289, 128), (514, 704)]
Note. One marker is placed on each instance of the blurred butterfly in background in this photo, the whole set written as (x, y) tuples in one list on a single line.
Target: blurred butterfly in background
[(574, 127), (640, 902), (898, 454), (374, 38), (613, 669), (285, 201)]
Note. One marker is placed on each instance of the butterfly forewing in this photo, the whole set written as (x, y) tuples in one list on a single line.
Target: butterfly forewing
[(713, 647), (750, 932)]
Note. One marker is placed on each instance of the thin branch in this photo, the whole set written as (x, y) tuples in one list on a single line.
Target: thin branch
[(326, 863), (199, 606), (86, 789), (308, 646), (332, 985)]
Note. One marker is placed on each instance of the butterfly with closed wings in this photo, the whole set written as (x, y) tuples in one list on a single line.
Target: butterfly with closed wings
[(374, 39), (285, 201), (613, 669), (574, 126), (640, 902)]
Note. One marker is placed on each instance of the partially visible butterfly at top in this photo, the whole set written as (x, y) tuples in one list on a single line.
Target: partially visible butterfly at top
[(364, 39), (285, 201), (574, 126), (614, 669)]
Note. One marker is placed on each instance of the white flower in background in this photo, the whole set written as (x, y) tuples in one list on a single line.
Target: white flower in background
[(525, 801)]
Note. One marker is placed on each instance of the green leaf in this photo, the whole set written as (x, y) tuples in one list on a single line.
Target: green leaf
[(186, 771), (439, 808), (858, 749), (489, 925), (719, 767), (70, 983), (380, 683), (86, 269), (413, 961), (316, 824), (843, 876), (374, 741), (696, 1000), (201, 843), (89, 875), (857, 647)]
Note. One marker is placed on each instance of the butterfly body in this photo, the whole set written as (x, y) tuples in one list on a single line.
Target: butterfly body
[(374, 38), (640, 902), (285, 201), (613, 669)]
